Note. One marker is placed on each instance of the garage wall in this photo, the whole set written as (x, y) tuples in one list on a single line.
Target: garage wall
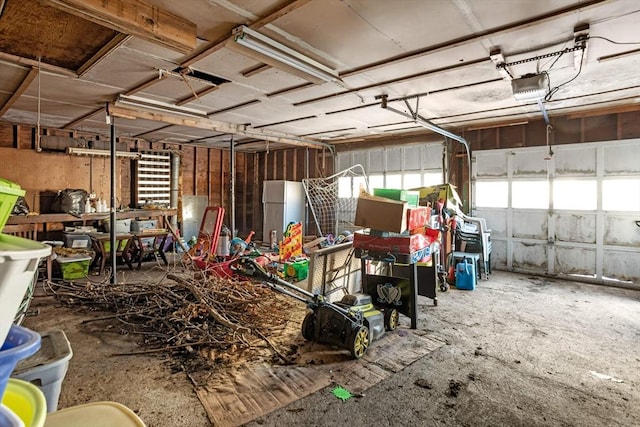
[(569, 213), (203, 171)]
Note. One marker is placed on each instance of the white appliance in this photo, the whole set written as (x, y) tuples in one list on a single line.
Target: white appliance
[(282, 203)]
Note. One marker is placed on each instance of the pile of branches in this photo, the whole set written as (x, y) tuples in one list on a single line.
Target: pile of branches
[(190, 314)]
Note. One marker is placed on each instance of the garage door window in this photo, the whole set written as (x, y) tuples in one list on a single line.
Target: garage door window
[(530, 194), (492, 194), (575, 194), (621, 195)]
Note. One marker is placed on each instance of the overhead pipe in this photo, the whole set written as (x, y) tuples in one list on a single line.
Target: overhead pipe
[(174, 186), (418, 119)]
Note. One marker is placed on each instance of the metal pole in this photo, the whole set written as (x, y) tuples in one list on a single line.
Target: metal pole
[(232, 187), (112, 214), (173, 195)]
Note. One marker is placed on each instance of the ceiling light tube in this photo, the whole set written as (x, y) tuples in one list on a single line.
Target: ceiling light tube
[(79, 151), (266, 47)]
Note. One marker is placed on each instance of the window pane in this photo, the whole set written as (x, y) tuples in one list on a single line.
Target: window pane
[(376, 181), (621, 195), (411, 180), (492, 194), (344, 187), (393, 181), (575, 194), (530, 194), (432, 178)]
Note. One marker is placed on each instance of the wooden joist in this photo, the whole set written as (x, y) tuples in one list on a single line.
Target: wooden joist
[(18, 93), (135, 17)]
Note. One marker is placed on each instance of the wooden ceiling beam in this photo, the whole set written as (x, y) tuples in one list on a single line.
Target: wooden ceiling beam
[(139, 18), (76, 122), (103, 53), (197, 95), (18, 93), (217, 126)]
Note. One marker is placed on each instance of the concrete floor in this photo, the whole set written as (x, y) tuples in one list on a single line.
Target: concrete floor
[(521, 351)]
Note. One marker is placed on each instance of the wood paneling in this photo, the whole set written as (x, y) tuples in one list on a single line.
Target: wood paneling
[(188, 156), (201, 172)]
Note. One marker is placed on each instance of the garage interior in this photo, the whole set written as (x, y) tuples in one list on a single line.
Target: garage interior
[(530, 110)]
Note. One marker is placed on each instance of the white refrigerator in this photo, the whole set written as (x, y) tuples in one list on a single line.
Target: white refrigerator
[(282, 202)]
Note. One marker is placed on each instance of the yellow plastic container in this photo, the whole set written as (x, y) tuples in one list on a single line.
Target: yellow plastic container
[(27, 401), (97, 414)]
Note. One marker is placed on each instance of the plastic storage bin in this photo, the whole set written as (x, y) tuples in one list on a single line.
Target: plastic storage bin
[(48, 367), (9, 193), (26, 401), (8, 418), (141, 225), (466, 275), (19, 260), (98, 414), (77, 240), (74, 267), (123, 226), (20, 344)]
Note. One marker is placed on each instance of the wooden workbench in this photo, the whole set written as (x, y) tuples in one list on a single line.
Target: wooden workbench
[(50, 226)]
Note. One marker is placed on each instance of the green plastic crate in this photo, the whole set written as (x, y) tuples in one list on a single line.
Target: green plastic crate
[(411, 197), (9, 193), (74, 268)]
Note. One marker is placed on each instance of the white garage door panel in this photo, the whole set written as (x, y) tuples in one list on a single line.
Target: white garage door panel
[(499, 254), (412, 158), (530, 163), (572, 161), (496, 221), (491, 165), (575, 260), (621, 265), (567, 238), (394, 159), (577, 228), (360, 158), (431, 156), (376, 161), (530, 256), (621, 230), (530, 225), (622, 158)]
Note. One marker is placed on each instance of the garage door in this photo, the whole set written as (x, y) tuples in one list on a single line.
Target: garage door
[(570, 213)]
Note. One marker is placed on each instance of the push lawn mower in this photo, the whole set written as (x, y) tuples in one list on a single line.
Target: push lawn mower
[(350, 324)]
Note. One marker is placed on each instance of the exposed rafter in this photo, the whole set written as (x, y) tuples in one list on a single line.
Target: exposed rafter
[(136, 17), (19, 91), (218, 126), (103, 53)]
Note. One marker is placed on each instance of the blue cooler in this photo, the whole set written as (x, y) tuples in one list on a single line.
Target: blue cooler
[(466, 274)]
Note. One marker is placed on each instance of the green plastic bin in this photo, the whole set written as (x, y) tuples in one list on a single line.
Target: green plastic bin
[(9, 193)]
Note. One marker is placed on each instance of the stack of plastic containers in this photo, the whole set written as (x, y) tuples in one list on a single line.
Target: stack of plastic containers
[(22, 403)]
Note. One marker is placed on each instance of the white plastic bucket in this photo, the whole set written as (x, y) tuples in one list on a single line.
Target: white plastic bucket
[(19, 260)]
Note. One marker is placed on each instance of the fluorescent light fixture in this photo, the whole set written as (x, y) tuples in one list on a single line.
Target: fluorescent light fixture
[(78, 151), (280, 56), (151, 104), (530, 87)]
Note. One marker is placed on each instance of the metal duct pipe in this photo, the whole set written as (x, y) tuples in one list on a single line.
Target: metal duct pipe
[(435, 128), (174, 187)]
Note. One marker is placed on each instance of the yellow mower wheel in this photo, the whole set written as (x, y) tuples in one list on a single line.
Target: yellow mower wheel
[(360, 342)]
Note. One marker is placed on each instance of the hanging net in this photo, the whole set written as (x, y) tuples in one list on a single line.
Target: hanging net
[(333, 200)]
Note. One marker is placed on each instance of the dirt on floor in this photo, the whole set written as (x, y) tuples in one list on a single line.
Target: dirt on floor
[(520, 351)]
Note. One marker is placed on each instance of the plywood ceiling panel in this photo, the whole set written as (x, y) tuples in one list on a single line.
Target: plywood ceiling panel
[(32, 30)]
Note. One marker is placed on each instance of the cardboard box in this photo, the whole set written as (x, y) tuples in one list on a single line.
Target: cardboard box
[(395, 244), (380, 213), (445, 192), (418, 217)]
